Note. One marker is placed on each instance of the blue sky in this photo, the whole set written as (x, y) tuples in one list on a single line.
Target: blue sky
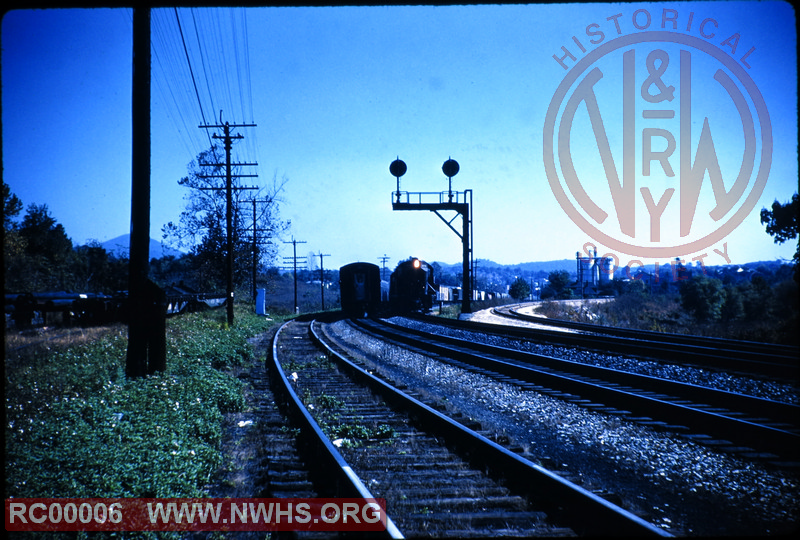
[(338, 93)]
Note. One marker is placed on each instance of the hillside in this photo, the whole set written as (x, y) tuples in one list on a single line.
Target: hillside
[(485, 265), (120, 247)]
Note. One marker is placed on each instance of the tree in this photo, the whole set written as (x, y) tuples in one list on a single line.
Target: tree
[(704, 298), (201, 227), (13, 244), (781, 224), (733, 306), (559, 283), (97, 271), (519, 289), (757, 299), (12, 206), (38, 255), (43, 258)]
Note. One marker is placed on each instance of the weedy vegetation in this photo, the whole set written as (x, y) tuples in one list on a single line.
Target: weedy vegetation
[(77, 427)]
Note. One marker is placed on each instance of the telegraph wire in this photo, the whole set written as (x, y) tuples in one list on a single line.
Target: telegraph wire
[(166, 90), (248, 80), (204, 66), (170, 78), (191, 71), (202, 61), (221, 46)]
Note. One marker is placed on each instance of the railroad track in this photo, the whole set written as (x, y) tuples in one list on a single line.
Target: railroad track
[(784, 352), (286, 475), (332, 476), (751, 427), (752, 358), (438, 476)]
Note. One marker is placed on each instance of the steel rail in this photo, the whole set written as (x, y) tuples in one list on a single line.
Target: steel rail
[(740, 348), (666, 350), (754, 406), (585, 512), (513, 311), (326, 457), (592, 382)]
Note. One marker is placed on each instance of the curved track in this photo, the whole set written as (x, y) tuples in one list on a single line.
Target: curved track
[(330, 469), (515, 498), (752, 427)]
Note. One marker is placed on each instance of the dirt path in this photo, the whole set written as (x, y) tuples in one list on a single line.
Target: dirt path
[(244, 472)]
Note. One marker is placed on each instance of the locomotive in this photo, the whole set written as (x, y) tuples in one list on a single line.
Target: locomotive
[(360, 286), (411, 287)]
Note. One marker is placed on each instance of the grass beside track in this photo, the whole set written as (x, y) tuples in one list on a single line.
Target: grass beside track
[(77, 427)]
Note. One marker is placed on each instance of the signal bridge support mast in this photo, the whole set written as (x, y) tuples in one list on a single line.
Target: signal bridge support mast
[(460, 202)]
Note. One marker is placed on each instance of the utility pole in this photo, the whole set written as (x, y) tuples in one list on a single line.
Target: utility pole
[(322, 278), (136, 363), (227, 139), (294, 262), (146, 352), (256, 230), (383, 262)]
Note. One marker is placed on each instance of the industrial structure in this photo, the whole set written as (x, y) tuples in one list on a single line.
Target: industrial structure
[(594, 273)]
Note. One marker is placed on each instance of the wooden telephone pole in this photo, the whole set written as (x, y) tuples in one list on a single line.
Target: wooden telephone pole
[(227, 139), (322, 277), (256, 230), (383, 262), (146, 306), (294, 264)]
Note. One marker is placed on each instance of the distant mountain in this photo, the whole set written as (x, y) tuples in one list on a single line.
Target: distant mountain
[(533, 267), (485, 265), (121, 247)]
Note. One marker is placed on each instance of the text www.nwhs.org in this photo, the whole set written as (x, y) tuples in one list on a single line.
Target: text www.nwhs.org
[(267, 513)]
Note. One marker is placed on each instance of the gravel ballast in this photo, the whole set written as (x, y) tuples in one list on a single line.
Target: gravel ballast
[(768, 389), (681, 486)]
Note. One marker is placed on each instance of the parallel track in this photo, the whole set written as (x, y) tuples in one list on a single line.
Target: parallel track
[(450, 493), (783, 352), (752, 427), (755, 359)]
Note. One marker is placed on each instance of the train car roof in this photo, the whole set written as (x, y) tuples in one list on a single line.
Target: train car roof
[(360, 264)]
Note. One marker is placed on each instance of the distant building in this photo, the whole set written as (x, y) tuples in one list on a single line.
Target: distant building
[(666, 277)]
